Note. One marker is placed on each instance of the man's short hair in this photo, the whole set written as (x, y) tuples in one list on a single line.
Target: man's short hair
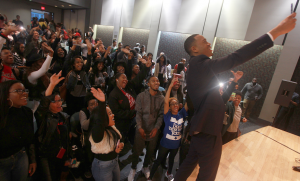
[(148, 79), (189, 43), (238, 93)]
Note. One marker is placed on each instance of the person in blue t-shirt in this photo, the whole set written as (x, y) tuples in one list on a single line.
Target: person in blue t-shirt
[(170, 142)]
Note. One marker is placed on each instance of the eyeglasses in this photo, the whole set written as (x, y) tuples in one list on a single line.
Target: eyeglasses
[(57, 101), (20, 91), (174, 104)]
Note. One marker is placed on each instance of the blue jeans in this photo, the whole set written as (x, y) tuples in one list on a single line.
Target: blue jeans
[(15, 167), (106, 170)]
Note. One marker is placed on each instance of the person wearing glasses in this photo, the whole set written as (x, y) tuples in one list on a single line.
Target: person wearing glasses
[(17, 157), (170, 142), (53, 134)]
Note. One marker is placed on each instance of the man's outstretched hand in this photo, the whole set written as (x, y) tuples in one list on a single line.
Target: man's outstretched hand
[(285, 26)]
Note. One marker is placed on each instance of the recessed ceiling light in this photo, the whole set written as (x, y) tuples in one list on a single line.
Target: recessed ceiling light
[(62, 5), (70, 5), (56, 6)]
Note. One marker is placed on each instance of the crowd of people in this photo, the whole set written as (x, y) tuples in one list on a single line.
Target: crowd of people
[(84, 107)]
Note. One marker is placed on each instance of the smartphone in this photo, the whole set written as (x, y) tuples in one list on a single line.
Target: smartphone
[(233, 94), (76, 165), (118, 143)]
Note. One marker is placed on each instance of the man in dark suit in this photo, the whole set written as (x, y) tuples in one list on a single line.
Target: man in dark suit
[(202, 83)]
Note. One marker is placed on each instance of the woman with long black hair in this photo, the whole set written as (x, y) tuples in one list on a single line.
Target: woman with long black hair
[(18, 52), (77, 81), (122, 98), (105, 141), (99, 77), (17, 157), (53, 134)]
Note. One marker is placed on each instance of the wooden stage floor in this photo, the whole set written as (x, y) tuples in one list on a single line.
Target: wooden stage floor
[(266, 154)]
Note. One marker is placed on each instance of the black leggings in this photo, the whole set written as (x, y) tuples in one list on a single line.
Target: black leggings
[(162, 155), (74, 104)]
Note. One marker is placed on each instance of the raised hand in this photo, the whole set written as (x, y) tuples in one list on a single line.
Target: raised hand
[(285, 26), (58, 32), (108, 49), (49, 49), (56, 78), (174, 81), (10, 29), (44, 38), (143, 61), (149, 62), (98, 94), (237, 75), (89, 45), (126, 51)]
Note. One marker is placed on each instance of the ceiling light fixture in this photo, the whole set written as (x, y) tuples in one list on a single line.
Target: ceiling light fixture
[(62, 5), (55, 6), (70, 5)]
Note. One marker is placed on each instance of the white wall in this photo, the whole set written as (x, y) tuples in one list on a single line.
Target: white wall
[(235, 17), (211, 23), (127, 13), (142, 13), (11, 8), (169, 15), (108, 11), (192, 16), (75, 20), (266, 15)]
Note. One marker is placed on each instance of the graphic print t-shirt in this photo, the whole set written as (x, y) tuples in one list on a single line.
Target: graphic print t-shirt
[(173, 129)]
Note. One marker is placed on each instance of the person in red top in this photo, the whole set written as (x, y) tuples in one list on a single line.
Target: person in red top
[(7, 59), (183, 60)]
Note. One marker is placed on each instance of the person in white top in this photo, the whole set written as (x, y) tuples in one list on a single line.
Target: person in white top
[(169, 69), (230, 129)]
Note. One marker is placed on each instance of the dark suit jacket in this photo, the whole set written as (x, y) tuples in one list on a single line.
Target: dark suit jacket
[(203, 85)]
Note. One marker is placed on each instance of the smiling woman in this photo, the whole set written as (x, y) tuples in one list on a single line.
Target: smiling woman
[(77, 81), (16, 132), (53, 134)]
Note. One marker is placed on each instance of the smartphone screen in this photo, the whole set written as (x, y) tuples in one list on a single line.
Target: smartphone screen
[(118, 142), (233, 94)]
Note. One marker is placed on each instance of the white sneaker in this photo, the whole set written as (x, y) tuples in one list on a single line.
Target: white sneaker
[(131, 174), (146, 172), (169, 176)]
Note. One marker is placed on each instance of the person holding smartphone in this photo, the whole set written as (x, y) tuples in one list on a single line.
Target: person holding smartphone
[(170, 142), (234, 112), (53, 134), (105, 141)]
